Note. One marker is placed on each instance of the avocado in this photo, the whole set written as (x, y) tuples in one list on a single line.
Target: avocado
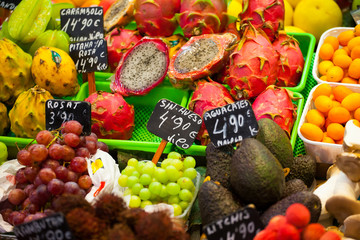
[(304, 168), (215, 202), (218, 163), (293, 186), (310, 200), (256, 175), (276, 140)]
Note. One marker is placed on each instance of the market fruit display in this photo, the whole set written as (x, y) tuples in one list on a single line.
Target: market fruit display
[(52, 167), (15, 75), (27, 116), (54, 70), (142, 68), (51, 38), (156, 18), (120, 13), (111, 115)]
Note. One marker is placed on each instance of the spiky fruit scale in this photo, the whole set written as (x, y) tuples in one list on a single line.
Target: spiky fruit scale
[(15, 75), (276, 103), (252, 65), (111, 116), (142, 68), (118, 42), (206, 96), (291, 61), (200, 57), (156, 17), (4, 119), (27, 117), (265, 14), (202, 17)]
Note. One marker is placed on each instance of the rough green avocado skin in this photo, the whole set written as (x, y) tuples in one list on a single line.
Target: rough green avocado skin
[(276, 140), (218, 163), (310, 200), (215, 202), (304, 168), (293, 186), (256, 176)]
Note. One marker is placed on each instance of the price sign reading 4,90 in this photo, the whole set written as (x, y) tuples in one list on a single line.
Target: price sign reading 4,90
[(174, 123), (89, 56), (241, 225), (231, 123), (58, 111)]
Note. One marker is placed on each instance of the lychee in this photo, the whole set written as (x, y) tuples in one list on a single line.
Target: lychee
[(298, 215), (313, 231), (288, 232)]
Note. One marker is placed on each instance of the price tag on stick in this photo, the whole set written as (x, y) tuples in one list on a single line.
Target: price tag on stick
[(173, 123), (51, 227), (241, 225), (231, 123), (58, 111), (9, 4)]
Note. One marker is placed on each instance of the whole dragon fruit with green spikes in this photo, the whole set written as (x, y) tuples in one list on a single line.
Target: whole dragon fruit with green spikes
[(252, 65), (202, 17), (276, 103), (156, 17), (206, 96), (265, 14), (291, 62)]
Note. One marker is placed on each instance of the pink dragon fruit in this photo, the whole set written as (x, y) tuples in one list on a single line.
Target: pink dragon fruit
[(118, 42), (276, 103), (202, 17), (208, 95), (291, 62), (111, 116), (265, 14), (156, 17), (200, 57), (252, 65), (141, 68)]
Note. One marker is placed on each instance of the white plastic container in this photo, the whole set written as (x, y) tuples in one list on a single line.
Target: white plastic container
[(331, 32), (322, 152)]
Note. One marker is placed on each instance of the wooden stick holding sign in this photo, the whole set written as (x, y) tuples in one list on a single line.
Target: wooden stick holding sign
[(174, 124)]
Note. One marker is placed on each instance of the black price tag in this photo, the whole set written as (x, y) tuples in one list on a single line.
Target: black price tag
[(231, 123), (82, 24), (59, 111), (51, 227), (241, 225), (89, 56), (9, 4), (174, 123)]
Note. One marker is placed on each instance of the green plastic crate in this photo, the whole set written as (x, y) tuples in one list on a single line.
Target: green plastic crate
[(141, 138), (199, 150)]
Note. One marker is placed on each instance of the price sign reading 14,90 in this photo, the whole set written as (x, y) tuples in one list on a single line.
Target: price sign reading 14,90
[(174, 123), (231, 123)]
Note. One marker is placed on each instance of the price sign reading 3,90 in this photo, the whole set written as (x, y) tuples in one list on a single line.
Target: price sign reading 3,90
[(231, 123), (174, 123)]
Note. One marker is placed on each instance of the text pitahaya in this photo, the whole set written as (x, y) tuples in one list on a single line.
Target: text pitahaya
[(141, 68), (265, 14), (200, 57), (291, 61), (118, 42), (111, 116), (276, 103), (202, 17), (252, 65), (156, 17), (207, 96)]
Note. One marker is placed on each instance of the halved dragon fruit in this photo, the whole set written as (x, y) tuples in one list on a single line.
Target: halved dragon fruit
[(200, 57), (118, 42), (208, 95), (156, 17), (142, 68), (291, 62), (111, 116), (276, 103)]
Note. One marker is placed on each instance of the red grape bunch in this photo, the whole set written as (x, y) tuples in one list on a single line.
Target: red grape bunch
[(53, 166)]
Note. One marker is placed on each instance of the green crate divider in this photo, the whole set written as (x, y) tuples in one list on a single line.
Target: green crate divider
[(141, 139), (199, 150)]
